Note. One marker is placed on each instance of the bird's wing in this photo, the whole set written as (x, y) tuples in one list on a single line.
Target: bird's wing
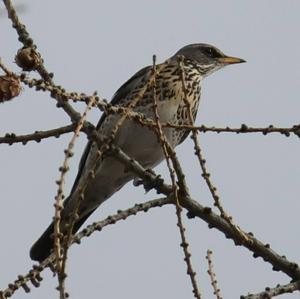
[(129, 86), (120, 94)]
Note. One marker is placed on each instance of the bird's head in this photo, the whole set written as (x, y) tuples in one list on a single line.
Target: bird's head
[(206, 58)]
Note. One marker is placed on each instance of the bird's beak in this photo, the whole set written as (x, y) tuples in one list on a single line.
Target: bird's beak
[(230, 60)]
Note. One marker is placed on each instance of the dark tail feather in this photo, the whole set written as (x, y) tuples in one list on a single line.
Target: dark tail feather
[(42, 248)]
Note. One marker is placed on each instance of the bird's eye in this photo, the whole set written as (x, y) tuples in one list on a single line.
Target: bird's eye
[(211, 52)]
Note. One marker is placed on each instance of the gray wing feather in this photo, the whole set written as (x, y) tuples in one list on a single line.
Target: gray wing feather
[(120, 94)]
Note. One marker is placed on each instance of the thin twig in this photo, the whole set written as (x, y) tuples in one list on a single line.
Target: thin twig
[(259, 249), (241, 130), (202, 161), (103, 147), (27, 41), (276, 291), (20, 28), (167, 150), (33, 275), (61, 255), (212, 275), (121, 215), (42, 85), (194, 208), (12, 138), (110, 109)]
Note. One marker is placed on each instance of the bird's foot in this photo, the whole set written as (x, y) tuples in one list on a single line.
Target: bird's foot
[(148, 183)]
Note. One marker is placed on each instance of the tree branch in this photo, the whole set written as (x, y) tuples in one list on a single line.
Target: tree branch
[(276, 291), (11, 138)]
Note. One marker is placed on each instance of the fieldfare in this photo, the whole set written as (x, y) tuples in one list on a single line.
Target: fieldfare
[(193, 62)]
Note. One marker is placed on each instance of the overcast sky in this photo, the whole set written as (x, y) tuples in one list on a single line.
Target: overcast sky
[(97, 45)]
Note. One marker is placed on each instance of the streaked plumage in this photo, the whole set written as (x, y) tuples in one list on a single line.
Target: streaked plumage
[(139, 142)]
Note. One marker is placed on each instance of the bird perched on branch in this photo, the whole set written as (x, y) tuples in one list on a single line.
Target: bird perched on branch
[(177, 82)]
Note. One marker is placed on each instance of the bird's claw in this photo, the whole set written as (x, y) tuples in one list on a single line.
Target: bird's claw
[(148, 183)]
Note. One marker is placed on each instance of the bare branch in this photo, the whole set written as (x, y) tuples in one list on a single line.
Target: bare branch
[(241, 130), (170, 157), (202, 161), (178, 196), (212, 275), (276, 291), (61, 255), (33, 276), (11, 138)]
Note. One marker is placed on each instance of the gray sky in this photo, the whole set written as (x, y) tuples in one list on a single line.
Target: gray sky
[(97, 45)]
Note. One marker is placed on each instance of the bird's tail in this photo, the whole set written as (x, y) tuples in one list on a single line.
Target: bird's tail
[(42, 248)]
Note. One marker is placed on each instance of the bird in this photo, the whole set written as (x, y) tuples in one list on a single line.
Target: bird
[(194, 62)]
